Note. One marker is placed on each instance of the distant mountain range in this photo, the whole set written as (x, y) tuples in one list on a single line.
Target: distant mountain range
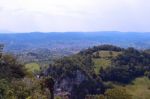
[(72, 41)]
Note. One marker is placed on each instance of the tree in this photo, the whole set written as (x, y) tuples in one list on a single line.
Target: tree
[(9, 67), (49, 83), (1, 49), (111, 54), (147, 74), (97, 55), (4, 88)]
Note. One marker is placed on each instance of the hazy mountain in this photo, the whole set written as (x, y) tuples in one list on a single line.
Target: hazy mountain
[(73, 41)]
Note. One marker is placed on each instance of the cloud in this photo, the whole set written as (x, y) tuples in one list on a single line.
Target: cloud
[(74, 15)]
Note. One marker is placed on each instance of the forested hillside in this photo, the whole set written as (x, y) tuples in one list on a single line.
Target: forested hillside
[(99, 72), (96, 70)]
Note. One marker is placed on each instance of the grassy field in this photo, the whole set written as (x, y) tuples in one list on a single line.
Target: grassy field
[(104, 60), (100, 62), (32, 67), (139, 89), (107, 54)]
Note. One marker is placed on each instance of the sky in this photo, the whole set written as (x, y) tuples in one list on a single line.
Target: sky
[(74, 15)]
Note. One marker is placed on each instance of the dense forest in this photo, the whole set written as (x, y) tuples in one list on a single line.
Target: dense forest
[(99, 72)]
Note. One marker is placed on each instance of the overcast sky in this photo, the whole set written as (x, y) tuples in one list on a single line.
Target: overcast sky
[(74, 15)]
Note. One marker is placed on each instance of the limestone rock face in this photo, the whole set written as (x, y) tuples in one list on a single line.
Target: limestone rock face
[(67, 83)]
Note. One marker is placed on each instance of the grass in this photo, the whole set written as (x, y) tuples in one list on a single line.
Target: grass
[(139, 88), (104, 60), (100, 62), (32, 67), (107, 54)]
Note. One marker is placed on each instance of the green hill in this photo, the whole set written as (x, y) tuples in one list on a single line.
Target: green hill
[(87, 72)]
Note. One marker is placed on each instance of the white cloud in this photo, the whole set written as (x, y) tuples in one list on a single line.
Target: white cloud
[(74, 15)]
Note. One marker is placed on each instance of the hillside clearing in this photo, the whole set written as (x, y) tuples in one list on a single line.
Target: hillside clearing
[(32, 67)]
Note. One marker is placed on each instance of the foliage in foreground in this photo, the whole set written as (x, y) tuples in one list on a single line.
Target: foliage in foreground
[(16, 83)]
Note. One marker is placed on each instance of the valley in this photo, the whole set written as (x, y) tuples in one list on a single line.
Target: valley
[(75, 66)]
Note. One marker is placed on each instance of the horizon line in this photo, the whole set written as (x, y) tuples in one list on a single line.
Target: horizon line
[(72, 32)]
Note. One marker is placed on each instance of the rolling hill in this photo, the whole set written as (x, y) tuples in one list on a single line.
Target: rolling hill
[(72, 41)]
